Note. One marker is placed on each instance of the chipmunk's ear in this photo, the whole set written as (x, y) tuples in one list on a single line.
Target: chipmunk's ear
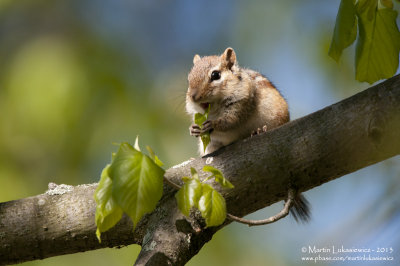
[(196, 58), (228, 58)]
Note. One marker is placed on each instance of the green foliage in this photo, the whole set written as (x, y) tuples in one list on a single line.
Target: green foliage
[(219, 177), (108, 213), (132, 183), (377, 57), (345, 31), (196, 194), (189, 195), (387, 3), (378, 44), (212, 206), (137, 182), (199, 119), (154, 157)]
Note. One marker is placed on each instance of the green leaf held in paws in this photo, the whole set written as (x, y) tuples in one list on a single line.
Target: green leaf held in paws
[(199, 119)]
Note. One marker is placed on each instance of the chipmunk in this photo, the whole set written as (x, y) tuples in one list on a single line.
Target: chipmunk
[(242, 103)]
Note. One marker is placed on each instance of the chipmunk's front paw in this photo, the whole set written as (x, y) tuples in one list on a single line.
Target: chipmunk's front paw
[(207, 127), (195, 130)]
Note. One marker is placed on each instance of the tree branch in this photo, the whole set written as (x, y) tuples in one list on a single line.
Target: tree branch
[(305, 153)]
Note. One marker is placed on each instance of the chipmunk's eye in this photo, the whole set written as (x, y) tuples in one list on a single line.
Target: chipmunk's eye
[(215, 75)]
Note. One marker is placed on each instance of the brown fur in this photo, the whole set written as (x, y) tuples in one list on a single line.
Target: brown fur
[(242, 100)]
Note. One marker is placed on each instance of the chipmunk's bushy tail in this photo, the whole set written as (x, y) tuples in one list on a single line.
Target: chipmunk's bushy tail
[(301, 209)]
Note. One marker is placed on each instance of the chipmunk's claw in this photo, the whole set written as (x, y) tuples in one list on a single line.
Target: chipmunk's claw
[(259, 131)]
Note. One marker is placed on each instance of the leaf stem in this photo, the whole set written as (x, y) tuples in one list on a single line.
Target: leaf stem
[(208, 178)]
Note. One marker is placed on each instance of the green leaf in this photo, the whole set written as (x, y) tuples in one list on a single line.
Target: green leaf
[(194, 173), (387, 3), (219, 177), (199, 119), (203, 197), (137, 182), (108, 213), (153, 156), (345, 31), (186, 179), (188, 195), (378, 45), (367, 6), (206, 139), (212, 206)]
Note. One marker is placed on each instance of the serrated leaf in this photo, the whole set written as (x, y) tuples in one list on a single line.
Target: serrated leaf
[(206, 139), (153, 156), (108, 213), (188, 195), (218, 175), (199, 119), (345, 31), (378, 45), (137, 182), (212, 206)]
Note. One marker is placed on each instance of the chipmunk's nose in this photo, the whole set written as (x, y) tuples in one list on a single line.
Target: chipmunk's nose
[(194, 95)]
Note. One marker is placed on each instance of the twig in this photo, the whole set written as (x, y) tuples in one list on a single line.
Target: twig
[(172, 184), (283, 213)]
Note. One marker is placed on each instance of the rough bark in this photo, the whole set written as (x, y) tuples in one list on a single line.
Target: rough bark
[(305, 153)]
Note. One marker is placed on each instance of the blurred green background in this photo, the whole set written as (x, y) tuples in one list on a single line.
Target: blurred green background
[(77, 76)]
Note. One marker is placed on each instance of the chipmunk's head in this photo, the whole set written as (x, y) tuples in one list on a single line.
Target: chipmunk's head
[(209, 79)]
